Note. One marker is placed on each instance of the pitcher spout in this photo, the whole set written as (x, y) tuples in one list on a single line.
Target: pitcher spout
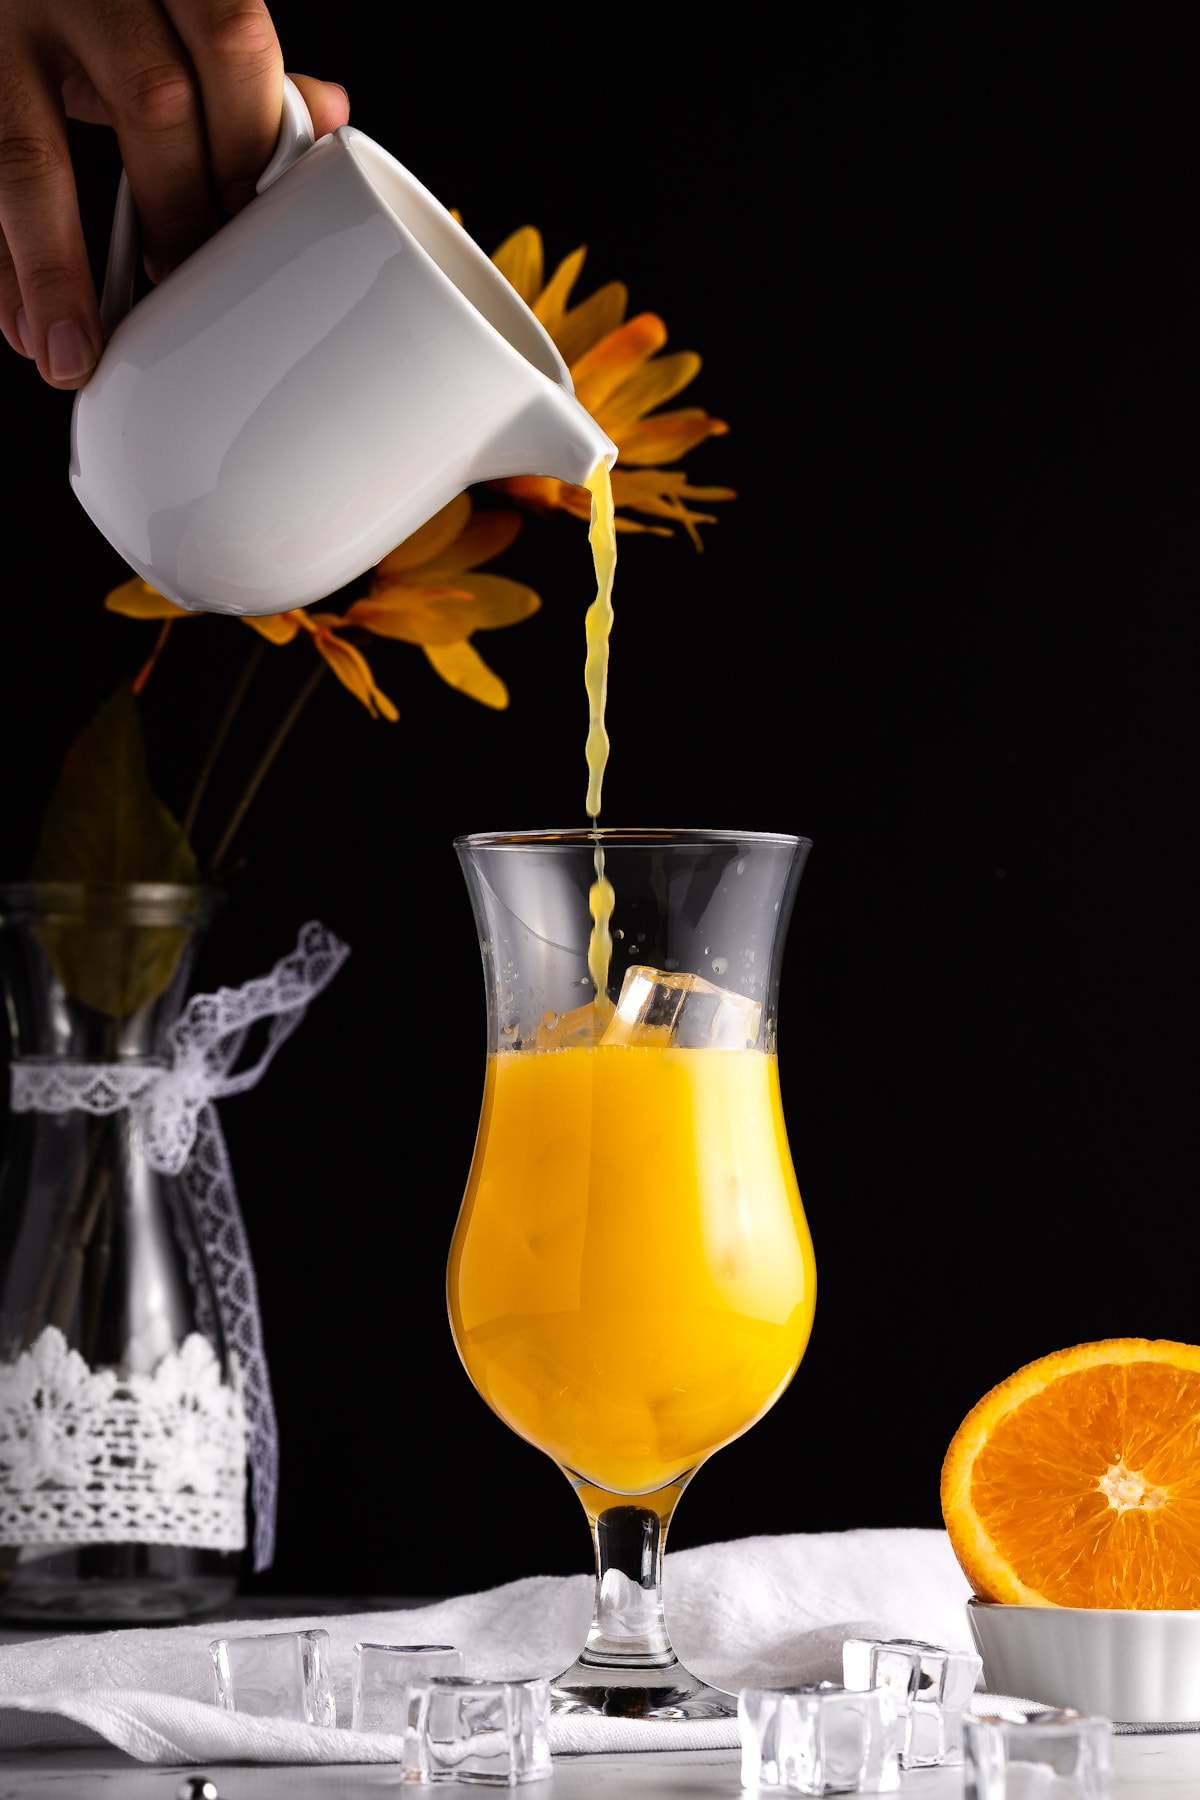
[(552, 435)]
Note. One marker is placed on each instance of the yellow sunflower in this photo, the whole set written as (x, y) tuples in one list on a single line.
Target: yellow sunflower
[(620, 375), (136, 599), (426, 592)]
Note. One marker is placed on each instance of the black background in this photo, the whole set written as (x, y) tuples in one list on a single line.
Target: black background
[(941, 268)]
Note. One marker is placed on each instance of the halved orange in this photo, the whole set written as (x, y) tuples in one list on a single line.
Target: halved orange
[(1076, 1481)]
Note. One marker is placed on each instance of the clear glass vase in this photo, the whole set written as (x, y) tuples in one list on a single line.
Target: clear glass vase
[(123, 1466)]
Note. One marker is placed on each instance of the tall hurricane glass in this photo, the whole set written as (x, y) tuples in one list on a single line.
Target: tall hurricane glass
[(631, 1280)]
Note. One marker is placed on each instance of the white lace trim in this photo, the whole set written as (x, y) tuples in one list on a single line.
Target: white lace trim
[(90, 1457), (204, 1043), (177, 1131)]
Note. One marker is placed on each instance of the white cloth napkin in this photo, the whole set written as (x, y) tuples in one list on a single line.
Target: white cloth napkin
[(764, 1611)]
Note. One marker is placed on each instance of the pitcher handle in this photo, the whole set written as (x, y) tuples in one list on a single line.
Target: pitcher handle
[(124, 245), (295, 136)]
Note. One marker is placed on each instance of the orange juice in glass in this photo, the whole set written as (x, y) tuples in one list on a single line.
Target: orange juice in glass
[(631, 1280)]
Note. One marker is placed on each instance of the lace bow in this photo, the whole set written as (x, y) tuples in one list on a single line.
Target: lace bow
[(176, 1129)]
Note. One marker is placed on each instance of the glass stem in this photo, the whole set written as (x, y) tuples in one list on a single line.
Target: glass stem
[(628, 1667), (628, 1628)]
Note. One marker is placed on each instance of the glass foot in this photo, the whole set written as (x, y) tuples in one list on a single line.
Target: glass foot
[(671, 1692)]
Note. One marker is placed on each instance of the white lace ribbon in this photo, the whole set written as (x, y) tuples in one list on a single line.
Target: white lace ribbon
[(176, 1129)]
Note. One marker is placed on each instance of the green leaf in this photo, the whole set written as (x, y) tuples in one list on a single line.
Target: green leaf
[(105, 827), (104, 823)]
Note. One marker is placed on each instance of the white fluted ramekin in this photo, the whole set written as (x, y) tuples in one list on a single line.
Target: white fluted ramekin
[(1130, 1667)]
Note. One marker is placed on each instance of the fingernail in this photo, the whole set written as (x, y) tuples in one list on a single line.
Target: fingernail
[(23, 332), (69, 353)]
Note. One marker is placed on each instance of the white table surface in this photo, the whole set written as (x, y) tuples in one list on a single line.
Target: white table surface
[(1158, 1767)]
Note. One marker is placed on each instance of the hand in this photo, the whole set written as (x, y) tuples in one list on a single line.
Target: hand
[(193, 90)]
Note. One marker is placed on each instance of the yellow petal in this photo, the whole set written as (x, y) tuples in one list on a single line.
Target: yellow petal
[(551, 304), (487, 535), (619, 351), (542, 493), (520, 260), (654, 491), (463, 668), (354, 672), (665, 437), (429, 540), (625, 524), (443, 615), (585, 324), (615, 358), (136, 599), (637, 486), (401, 609), (496, 601), (654, 383), (664, 493), (277, 628)]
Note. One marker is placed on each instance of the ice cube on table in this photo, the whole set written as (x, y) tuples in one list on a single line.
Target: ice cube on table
[(932, 1685), (486, 1733), (682, 1011), (382, 1673), (819, 1738), (1053, 1755), (275, 1675)]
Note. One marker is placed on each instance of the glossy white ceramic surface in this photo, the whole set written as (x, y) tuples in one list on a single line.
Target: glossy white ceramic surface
[(1131, 1667), (312, 384)]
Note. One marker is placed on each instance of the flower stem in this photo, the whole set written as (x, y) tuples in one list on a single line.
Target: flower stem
[(216, 860), (236, 696)]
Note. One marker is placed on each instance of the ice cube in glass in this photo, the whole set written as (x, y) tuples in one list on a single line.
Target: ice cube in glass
[(686, 1012)]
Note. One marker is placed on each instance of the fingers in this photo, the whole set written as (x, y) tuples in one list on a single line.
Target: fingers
[(238, 69), (124, 62), (48, 307), (194, 92)]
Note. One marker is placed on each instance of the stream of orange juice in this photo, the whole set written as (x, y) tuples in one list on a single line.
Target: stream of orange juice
[(602, 535)]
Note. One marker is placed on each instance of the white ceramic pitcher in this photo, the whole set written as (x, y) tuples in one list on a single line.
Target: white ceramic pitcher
[(322, 375)]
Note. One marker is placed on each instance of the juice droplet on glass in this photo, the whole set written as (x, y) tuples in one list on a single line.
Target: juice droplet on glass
[(602, 535)]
